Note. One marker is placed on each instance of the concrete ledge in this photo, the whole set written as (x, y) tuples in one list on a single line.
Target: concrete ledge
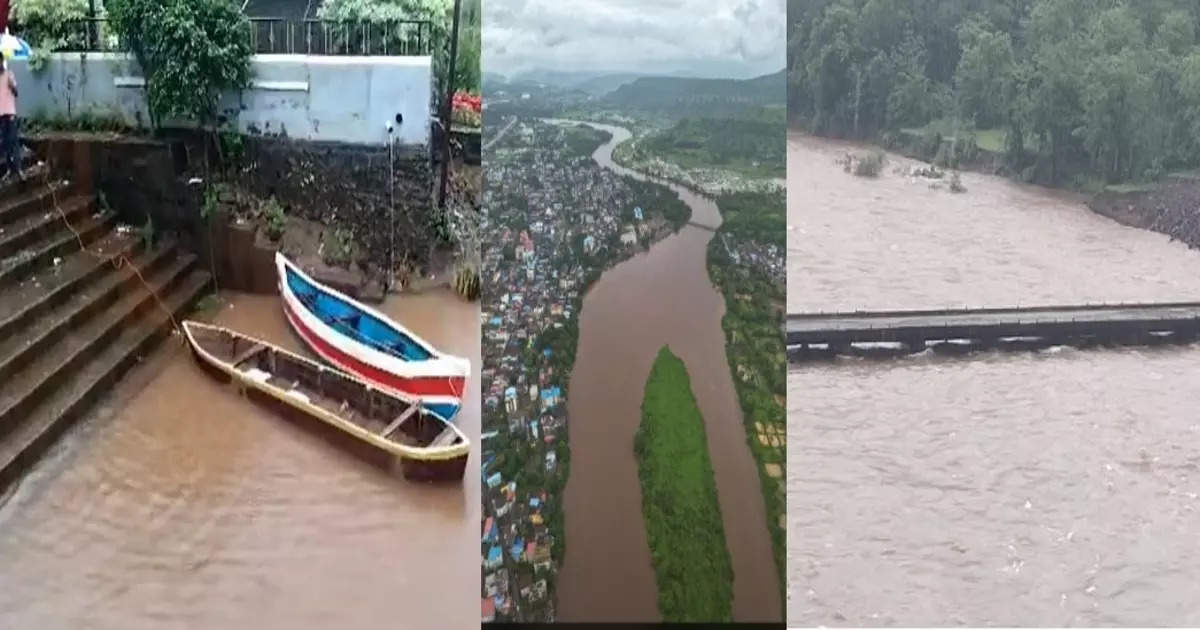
[(280, 86)]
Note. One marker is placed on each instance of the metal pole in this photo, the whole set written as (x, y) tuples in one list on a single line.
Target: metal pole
[(92, 36), (391, 273), (446, 105)]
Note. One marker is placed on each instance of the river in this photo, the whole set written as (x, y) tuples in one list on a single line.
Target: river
[(1014, 489), (178, 504), (663, 296)]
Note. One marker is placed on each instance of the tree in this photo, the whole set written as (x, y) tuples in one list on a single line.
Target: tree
[(190, 51), (986, 62), (50, 24)]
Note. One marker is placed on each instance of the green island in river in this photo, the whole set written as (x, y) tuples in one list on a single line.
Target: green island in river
[(679, 500)]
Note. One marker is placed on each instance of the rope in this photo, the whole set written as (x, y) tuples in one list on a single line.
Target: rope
[(118, 262)]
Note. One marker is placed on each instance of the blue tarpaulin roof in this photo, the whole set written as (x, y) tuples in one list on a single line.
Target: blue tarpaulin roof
[(494, 554)]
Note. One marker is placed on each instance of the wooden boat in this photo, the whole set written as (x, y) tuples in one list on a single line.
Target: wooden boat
[(364, 342), (429, 447)]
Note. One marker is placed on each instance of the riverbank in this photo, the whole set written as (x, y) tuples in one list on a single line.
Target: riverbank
[(679, 500), (1170, 207), (754, 349)]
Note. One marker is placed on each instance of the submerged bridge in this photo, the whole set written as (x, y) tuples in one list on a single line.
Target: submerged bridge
[(702, 226), (814, 335)]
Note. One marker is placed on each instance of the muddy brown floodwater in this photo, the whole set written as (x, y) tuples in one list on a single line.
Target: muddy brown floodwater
[(663, 296), (1057, 488), (179, 504)]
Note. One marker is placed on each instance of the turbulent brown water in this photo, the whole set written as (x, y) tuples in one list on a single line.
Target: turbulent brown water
[(663, 296), (179, 504), (1050, 488)]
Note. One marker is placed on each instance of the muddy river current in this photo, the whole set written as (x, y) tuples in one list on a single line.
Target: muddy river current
[(179, 504), (663, 296), (1060, 487)]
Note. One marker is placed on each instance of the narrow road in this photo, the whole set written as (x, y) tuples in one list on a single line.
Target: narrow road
[(499, 135)]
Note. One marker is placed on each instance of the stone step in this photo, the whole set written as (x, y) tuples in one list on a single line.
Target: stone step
[(42, 253), (60, 360), (40, 197), (20, 345), (48, 287), (18, 235), (35, 176), (53, 414)]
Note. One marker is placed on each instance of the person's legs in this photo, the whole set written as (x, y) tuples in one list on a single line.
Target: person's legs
[(5, 149), (14, 147)]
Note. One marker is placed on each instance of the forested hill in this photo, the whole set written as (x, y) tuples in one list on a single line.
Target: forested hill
[(680, 97), (1098, 88)]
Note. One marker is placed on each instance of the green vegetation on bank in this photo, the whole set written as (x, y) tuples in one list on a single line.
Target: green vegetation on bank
[(679, 500), (1068, 91), (755, 216), (756, 148), (583, 140), (753, 321), (190, 52)]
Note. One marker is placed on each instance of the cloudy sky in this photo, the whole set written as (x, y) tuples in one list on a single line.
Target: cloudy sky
[(712, 38)]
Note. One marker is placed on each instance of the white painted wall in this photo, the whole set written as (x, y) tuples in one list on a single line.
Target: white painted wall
[(319, 98)]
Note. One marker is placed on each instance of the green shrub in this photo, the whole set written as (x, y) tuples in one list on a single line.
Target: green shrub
[(870, 165), (276, 220), (930, 144), (190, 52), (956, 184), (50, 24), (339, 247)]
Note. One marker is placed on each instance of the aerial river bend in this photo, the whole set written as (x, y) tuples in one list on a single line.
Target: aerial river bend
[(1053, 488), (663, 296)]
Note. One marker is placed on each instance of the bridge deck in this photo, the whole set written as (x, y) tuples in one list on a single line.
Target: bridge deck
[(1093, 320), (702, 226)]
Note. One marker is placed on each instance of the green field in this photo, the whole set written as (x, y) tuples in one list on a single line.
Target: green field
[(986, 139), (754, 148), (679, 500)]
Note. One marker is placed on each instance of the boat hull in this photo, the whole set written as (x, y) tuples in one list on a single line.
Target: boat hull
[(427, 470), (438, 381), (437, 394), (435, 465)]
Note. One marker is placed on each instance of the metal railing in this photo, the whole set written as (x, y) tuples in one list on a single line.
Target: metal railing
[(328, 37), (284, 36)]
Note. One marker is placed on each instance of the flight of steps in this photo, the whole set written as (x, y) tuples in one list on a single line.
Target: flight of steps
[(71, 323)]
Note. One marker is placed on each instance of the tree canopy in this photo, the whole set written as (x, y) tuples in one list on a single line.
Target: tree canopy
[(1103, 88)]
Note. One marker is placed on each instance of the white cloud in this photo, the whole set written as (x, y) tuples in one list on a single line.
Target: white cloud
[(737, 38)]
